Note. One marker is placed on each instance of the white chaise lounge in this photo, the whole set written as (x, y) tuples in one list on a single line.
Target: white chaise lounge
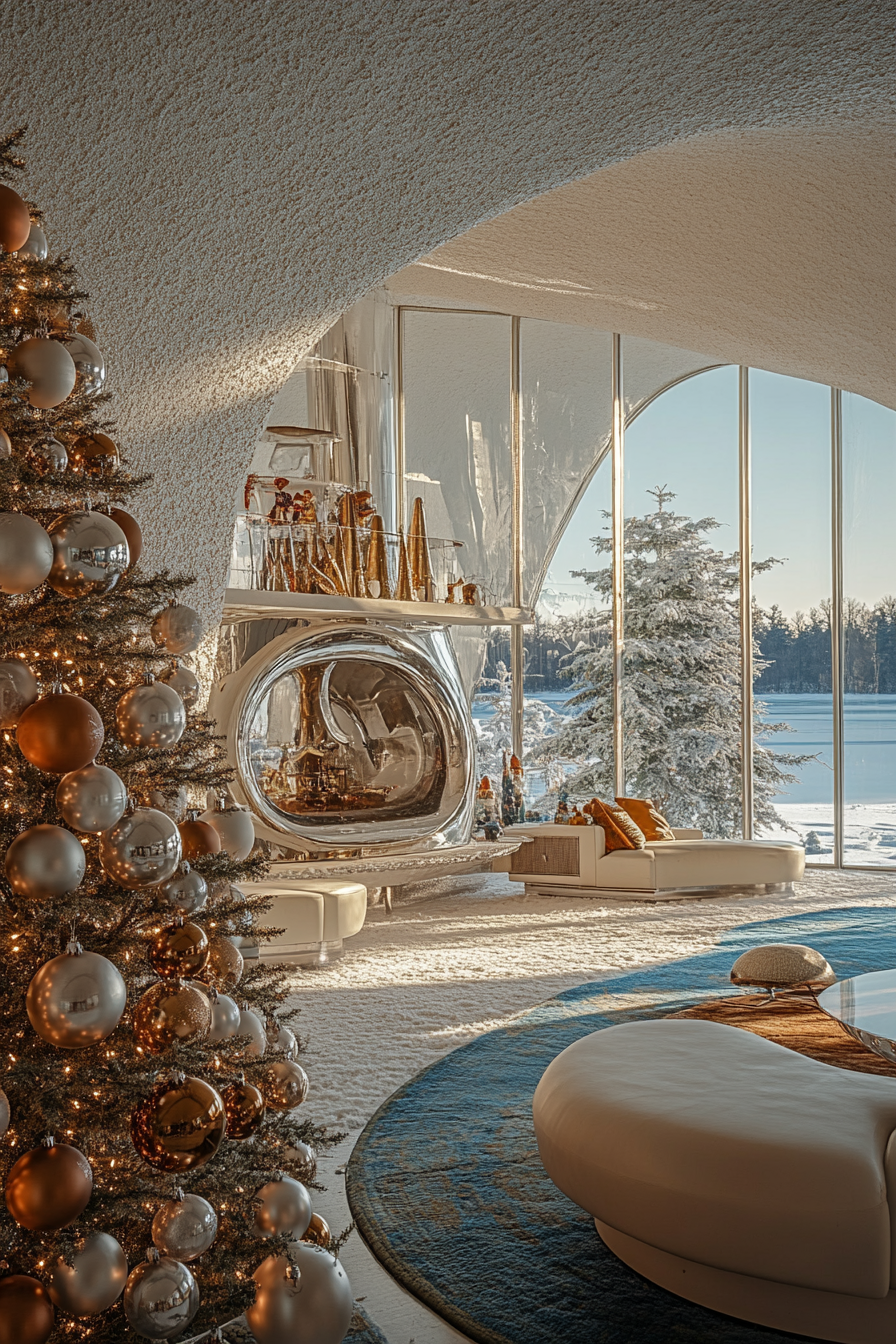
[(732, 1171), (572, 861)]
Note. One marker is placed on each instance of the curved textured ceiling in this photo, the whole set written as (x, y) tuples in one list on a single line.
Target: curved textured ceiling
[(229, 178), (775, 248)]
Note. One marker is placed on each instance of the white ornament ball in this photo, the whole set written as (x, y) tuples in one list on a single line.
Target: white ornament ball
[(312, 1307), (282, 1208), (89, 364), (160, 1297), (35, 245), (235, 826), (26, 553), (90, 553), (151, 715), (91, 799), (76, 1000), (142, 849), (252, 1026), (18, 690), (93, 1281), (47, 366), (225, 1015), (45, 862), (185, 1227)]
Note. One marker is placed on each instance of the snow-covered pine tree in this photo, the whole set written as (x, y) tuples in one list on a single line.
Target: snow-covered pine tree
[(494, 735), (681, 683)]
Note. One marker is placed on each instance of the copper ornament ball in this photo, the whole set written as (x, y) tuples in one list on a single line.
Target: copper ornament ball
[(318, 1231), (131, 529), (244, 1107), (15, 221), (180, 1125), (60, 733), (285, 1085), (225, 963), (26, 1312), (95, 454), (49, 1187), (168, 1013), (197, 839), (180, 951)]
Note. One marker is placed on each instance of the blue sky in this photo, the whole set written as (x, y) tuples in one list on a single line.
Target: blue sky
[(687, 440)]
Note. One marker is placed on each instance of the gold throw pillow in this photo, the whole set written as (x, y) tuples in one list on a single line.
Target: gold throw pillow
[(647, 818), (620, 831)]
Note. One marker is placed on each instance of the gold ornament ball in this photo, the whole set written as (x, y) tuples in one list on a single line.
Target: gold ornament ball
[(131, 529), (318, 1231), (18, 690), (150, 715), (244, 1107), (60, 733), (26, 553), (91, 799), (45, 862), (177, 629), (225, 963), (171, 1012), (197, 839), (47, 366), (285, 1085), (26, 1312), (94, 455), (179, 951), (308, 1304), (180, 1125), (185, 1227), (49, 456), (76, 1000), (93, 1281), (49, 1187), (141, 850), (15, 221), (90, 553)]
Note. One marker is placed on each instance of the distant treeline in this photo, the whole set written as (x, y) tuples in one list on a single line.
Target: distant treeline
[(796, 649)]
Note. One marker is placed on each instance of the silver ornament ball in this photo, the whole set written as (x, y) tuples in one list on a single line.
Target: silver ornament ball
[(90, 553), (151, 715), (45, 862), (185, 682), (185, 1227), (49, 455), (35, 245), (308, 1304), (90, 366), (281, 1038), (26, 553), (186, 892), (282, 1208), (142, 849), (225, 1015), (177, 629), (93, 1281), (252, 1026), (307, 1159), (160, 1297), (172, 802), (18, 690), (91, 799), (76, 1000)]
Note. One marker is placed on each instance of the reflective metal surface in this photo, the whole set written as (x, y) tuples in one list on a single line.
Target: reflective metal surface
[(745, 547), (866, 1007)]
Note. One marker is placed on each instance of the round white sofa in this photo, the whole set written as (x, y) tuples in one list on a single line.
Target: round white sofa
[(316, 918), (732, 1171)]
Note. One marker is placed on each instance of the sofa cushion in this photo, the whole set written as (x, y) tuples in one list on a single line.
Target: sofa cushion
[(646, 817), (723, 863), (620, 831), (726, 1149)]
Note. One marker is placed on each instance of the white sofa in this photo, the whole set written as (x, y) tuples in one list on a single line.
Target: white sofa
[(316, 918), (572, 860), (732, 1171)]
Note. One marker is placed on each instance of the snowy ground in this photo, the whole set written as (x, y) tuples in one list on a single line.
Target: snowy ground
[(869, 830), (461, 957)]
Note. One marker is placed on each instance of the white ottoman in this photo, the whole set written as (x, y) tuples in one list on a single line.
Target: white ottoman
[(316, 918), (732, 1171)]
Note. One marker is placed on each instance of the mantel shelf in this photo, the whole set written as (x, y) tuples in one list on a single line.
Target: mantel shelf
[(245, 604)]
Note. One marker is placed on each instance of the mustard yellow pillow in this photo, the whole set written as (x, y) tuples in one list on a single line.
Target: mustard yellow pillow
[(645, 816), (620, 830)]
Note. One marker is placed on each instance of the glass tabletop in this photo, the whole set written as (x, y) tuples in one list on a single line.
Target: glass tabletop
[(866, 1002)]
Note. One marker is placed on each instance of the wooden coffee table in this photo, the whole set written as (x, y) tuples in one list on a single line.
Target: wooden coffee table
[(865, 1006)]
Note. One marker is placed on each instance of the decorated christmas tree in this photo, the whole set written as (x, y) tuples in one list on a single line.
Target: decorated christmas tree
[(681, 682), (153, 1155)]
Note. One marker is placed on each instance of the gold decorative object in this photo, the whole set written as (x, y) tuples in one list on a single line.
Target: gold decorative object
[(377, 568), (318, 1231), (285, 1085), (180, 1125), (403, 589), (418, 548), (179, 952), (170, 1012), (225, 963), (49, 1187), (469, 592), (244, 1107)]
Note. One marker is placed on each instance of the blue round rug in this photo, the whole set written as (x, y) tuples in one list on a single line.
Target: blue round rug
[(447, 1189)]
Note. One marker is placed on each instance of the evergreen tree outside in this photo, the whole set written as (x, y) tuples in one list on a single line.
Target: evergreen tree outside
[(681, 685), (494, 735), (95, 645)]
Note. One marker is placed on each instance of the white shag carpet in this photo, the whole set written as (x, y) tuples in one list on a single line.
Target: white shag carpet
[(462, 956)]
